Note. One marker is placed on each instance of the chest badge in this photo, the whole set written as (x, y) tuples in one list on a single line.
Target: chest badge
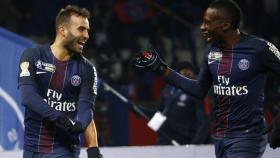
[(76, 80), (244, 64)]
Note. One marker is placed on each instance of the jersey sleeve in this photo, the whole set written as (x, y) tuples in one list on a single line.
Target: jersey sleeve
[(87, 95), (197, 88), (33, 101), (28, 86), (27, 68), (270, 58)]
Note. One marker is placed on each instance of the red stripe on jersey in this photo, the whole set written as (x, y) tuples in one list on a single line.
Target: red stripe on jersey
[(58, 76), (224, 101), (47, 135), (225, 63)]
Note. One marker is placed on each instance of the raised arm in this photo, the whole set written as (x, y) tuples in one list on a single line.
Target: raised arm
[(150, 60)]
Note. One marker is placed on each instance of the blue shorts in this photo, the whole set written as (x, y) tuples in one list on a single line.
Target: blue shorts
[(240, 147), (31, 154)]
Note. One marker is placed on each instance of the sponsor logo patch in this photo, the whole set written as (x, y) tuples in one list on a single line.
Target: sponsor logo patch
[(223, 87), (55, 100), (75, 80), (45, 66), (214, 56), (244, 64), (24, 69)]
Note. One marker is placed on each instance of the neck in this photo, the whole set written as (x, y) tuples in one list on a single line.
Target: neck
[(231, 38), (59, 51)]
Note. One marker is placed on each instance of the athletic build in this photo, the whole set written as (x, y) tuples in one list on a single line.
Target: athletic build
[(236, 65), (58, 89)]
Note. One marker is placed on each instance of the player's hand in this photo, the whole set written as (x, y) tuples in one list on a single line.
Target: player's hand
[(149, 59), (275, 133), (93, 152), (74, 127)]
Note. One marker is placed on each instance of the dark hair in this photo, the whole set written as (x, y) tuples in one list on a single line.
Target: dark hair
[(184, 65), (231, 9), (65, 13)]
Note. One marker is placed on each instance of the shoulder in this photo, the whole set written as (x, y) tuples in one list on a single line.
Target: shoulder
[(262, 46), (257, 42), (88, 65), (32, 53)]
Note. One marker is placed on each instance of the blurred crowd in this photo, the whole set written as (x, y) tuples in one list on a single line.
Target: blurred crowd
[(120, 28)]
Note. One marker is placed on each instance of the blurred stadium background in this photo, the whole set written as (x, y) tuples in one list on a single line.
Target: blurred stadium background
[(120, 28)]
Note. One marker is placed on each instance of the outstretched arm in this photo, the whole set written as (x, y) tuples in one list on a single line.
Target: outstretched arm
[(198, 88)]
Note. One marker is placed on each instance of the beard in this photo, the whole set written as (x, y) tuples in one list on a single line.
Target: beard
[(71, 44)]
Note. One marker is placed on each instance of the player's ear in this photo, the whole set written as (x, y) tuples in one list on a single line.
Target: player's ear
[(226, 26), (61, 30)]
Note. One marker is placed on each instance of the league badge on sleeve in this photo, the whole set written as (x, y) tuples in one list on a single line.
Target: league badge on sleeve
[(24, 69), (214, 56), (244, 64), (45, 66)]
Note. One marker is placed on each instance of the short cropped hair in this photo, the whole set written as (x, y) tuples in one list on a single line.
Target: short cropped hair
[(64, 14), (231, 9), (184, 65)]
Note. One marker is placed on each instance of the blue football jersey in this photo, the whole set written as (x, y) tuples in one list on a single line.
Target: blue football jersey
[(238, 77), (67, 87)]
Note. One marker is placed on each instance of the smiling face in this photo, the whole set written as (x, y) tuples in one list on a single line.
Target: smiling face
[(76, 34), (213, 27)]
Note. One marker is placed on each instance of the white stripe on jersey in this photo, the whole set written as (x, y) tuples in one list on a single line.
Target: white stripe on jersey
[(274, 50)]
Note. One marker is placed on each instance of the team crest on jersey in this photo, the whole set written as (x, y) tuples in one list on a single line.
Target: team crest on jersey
[(214, 56), (243, 64), (24, 69), (76, 80), (45, 66)]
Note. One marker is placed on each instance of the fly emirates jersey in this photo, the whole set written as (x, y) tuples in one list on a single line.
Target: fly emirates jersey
[(66, 87), (238, 77)]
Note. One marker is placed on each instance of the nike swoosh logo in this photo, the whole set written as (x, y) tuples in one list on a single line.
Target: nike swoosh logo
[(41, 72), (210, 62), (73, 123)]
